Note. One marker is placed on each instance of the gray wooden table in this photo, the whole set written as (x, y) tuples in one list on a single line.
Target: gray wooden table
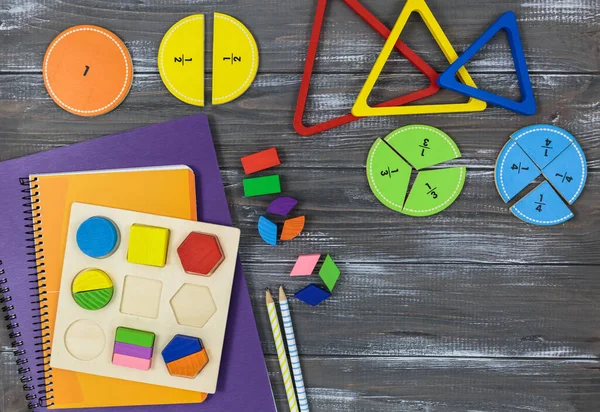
[(468, 310)]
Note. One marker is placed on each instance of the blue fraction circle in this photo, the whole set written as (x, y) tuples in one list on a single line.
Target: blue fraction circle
[(98, 237)]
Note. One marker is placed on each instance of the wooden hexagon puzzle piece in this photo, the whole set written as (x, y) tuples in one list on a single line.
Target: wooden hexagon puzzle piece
[(185, 356), (200, 254)]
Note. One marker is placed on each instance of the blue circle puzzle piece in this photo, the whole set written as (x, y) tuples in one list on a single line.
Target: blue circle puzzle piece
[(568, 172), (508, 23), (543, 143), (98, 237), (267, 231), (542, 207), (514, 171)]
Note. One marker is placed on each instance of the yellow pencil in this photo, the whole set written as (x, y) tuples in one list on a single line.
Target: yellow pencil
[(283, 363)]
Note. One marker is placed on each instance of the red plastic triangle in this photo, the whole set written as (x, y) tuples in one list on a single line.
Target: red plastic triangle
[(384, 32)]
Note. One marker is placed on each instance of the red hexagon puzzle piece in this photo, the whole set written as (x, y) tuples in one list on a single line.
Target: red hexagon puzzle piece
[(200, 254)]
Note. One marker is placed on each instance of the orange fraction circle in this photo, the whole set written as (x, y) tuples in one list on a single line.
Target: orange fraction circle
[(87, 70)]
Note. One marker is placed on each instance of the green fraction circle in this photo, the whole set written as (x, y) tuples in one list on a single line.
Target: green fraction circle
[(392, 159)]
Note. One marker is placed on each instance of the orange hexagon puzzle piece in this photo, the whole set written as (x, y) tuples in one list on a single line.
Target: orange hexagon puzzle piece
[(200, 254)]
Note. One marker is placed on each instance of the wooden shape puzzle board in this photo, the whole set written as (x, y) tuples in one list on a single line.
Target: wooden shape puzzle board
[(104, 322)]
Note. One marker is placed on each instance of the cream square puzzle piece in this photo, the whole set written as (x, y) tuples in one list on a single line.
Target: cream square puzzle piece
[(141, 297), (105, 321)]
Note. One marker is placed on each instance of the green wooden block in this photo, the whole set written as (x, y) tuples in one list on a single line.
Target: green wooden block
[(329, 272), (134, 337), (264, 185)]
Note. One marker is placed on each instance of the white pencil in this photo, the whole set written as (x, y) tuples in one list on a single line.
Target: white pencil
[(290, 338), (283, 363)]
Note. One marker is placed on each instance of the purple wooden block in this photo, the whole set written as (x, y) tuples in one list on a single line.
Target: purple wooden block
[(133, 350), (282, 206)]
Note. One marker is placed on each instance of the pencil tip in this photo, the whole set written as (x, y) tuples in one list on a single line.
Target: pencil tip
[(282, 297), (268, 296)]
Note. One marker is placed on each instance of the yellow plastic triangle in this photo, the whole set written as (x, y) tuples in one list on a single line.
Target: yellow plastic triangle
[(361, 107)]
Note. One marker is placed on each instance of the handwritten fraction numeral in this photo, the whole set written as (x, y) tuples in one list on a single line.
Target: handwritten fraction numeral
[(181, 59), (547, 146), (388, 172), (565, 177), (233, 59), (424, 146), (540, 204), (87, 68), (431, 191), (518, 167)]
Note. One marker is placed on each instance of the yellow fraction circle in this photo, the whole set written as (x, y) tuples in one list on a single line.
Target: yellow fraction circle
[(235, 59), (181, 59), (91, 279)]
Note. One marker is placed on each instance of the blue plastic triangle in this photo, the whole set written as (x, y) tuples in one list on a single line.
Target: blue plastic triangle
[(507, 22)]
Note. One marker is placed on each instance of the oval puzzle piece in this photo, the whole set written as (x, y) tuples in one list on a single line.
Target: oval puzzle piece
[(434, 190), (388, 175), (423, 146), (97, 237), (87, 70), (181, 60), (92, 289), (235, 59)]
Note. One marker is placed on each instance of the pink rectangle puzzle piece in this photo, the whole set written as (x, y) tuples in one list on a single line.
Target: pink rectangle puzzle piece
[(131, 362), (305, 265)]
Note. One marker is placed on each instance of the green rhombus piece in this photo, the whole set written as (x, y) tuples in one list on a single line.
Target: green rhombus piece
[(329, 272)]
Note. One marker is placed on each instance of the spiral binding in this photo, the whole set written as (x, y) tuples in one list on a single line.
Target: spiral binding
[(39, 392)]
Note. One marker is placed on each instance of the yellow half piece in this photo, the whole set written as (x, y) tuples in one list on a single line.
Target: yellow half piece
[(361, 108), (181, 59), (91, 279), (235, 59)]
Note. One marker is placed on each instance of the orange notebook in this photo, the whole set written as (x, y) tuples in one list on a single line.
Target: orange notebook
[(168, 191)]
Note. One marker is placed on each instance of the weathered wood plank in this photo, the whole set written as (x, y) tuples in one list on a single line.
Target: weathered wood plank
[(558, 36), (30, 121)]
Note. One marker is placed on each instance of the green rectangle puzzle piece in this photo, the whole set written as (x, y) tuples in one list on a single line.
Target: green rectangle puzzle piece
[(134, 337), (265, 185)]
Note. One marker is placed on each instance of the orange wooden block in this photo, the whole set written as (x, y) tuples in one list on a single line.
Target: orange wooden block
[(260, 161), (292, 228), (189, 366)]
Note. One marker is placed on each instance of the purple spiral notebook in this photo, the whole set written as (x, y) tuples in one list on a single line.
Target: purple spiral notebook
[(243, 380)]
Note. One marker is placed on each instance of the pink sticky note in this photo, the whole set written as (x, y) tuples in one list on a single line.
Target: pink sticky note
[(305, 265), (131, 361)]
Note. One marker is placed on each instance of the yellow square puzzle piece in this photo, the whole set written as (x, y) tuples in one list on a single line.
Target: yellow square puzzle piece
[(148, 245)]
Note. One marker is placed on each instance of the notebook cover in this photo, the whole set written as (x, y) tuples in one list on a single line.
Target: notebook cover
[(169, 191), (243, 382)]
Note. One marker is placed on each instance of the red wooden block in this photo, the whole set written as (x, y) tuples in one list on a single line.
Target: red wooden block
[(384, 32), (200, 254), (260, 161)]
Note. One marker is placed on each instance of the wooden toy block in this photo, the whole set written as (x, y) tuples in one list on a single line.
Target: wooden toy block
[(542, 207), (305, 265), (235, 59), (133, 350), (97, 237), (148, 245), (267, 230), (329, 272), (282, 206), (384, 32), (507, 22), (312, 294), (131, 362), (200, 254), (193, 305), (292, 228), (264, 185), (260, 161), (361, 106), (141, 297), (134, 337), (190, 366), (94, 299), (180, 347), (91, 279)]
